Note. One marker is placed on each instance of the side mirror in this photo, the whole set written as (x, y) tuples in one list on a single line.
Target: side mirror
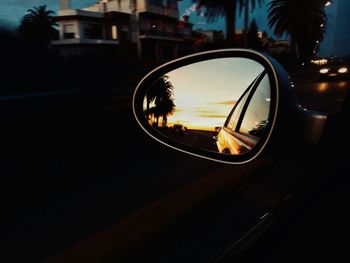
[(221, 105)]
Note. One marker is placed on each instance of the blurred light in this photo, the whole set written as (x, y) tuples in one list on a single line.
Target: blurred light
[(114, 32), (324, 70), (302, 108), (343, 70), (320, 61), (323, 87), (328, 3), (322, 25), (343, 84), (267, 214)]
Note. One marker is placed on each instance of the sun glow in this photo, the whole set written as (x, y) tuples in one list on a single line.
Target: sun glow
[(206, 92)]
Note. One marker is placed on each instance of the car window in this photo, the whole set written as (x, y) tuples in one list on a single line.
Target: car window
[(257, 114), (232, 123)]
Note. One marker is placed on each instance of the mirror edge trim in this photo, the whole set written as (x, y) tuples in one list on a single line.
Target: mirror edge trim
[(251, 52)]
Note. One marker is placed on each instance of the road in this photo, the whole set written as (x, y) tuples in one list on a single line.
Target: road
[(320, 95), (66, 179)]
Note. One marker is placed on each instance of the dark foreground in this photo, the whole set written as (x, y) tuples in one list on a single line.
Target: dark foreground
[(64, 178)]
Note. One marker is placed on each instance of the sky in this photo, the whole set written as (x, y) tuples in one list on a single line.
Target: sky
[(337, 40), (335, 43), (13, 10), (199, 105), (188, 8)]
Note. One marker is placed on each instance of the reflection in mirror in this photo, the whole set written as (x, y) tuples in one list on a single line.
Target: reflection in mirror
[(219, 105)]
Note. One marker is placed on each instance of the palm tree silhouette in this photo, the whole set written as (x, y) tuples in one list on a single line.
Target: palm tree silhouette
[(228, 9), (302, 20), (253, 41), (246, 6), (37, 27), (160, 101)]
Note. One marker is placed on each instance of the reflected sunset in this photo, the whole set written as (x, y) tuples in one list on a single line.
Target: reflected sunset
[(192, 105), (204, 93)]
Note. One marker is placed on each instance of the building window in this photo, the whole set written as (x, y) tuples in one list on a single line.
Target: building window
[(114, 32), (93, 31), (68, 31), (124, 33)]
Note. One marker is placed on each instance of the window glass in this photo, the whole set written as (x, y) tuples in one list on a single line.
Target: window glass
[(124, 33), (68, 31), (257, 114), (93, 31), (114, 32), (235, 116)]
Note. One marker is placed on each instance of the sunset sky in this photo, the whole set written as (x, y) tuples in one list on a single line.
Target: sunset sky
[(205, 92)]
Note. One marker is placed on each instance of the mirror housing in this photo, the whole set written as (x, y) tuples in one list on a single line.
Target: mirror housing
[(281, 130)]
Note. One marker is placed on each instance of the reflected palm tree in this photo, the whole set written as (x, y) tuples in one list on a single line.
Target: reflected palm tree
[(160, 101)]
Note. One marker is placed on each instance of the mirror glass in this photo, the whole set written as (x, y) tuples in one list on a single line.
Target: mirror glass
[(219, 105)]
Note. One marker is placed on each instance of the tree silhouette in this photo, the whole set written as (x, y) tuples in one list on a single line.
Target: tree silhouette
[(301, 20), (160, 101), (254, 41), (246, 6), (226, 8), (37, 27)]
